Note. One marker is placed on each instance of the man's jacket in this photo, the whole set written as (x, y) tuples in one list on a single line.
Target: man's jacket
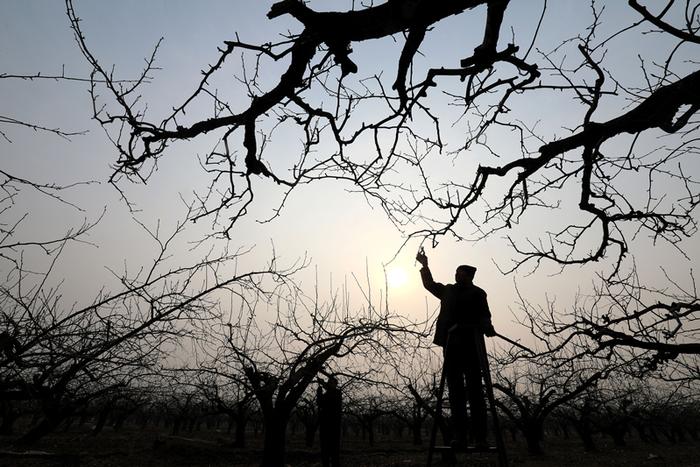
[(461, 305)]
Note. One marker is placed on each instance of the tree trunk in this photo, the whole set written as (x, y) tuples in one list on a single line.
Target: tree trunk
[(417, 431), (102, 419), (9, 416), (679, 433), (370, 432), (533, 437), (120, 420), (586, 434), (533, 443), (641, 432), (241, 423), (309, 433), (513, 433), (68, 423), (176, 426), (275, 441), (564, 430), (618, 436), (43, 428), (8, 422)]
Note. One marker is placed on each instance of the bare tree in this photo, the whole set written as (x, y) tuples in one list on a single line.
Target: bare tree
[(628, 320), (368, 405), (228, 394), (64, 355), (410, 410), (117, 407), (534, 389), (580, 413), (279, 352), (306, 413), (417, 379)]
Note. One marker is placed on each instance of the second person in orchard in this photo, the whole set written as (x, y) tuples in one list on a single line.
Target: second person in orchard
[(463, 321)]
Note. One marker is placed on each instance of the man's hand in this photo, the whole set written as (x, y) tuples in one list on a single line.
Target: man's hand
[(421, 258)]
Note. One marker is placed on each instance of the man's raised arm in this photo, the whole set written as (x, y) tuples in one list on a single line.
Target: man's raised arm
[(431, 286)]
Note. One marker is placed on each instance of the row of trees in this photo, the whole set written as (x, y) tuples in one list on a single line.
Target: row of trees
[(536, 402)]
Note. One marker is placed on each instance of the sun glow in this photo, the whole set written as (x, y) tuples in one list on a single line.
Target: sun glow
[(396, 277)]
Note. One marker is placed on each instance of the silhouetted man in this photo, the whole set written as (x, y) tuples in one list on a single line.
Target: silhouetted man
[(330, 407), (463, 320)]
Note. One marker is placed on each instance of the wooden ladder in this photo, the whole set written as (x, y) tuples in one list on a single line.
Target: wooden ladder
[(488, 385)]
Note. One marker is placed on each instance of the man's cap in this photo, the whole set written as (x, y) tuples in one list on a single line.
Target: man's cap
[(467, 268)]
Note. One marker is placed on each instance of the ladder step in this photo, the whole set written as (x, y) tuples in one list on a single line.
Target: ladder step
[(467, 448)]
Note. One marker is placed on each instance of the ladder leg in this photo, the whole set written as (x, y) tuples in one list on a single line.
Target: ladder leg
[(436, 417), (486, 372)]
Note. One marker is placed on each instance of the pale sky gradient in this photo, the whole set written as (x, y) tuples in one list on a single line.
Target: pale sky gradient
[(336, 229)]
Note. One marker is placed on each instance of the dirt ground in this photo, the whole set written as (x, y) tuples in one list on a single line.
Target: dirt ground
[(135, 448)]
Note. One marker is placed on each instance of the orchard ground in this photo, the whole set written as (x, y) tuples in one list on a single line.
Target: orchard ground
[(135, 447)]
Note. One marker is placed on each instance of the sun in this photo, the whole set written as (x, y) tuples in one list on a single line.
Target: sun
[(396, 277)]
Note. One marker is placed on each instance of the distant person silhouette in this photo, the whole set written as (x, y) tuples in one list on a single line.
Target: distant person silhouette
[(463, 321), (330, 407)]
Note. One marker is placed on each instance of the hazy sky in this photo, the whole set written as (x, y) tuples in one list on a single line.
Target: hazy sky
[(336, 229)]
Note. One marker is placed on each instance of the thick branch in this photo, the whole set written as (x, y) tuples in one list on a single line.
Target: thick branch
[(656, 111), (656, 21)]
